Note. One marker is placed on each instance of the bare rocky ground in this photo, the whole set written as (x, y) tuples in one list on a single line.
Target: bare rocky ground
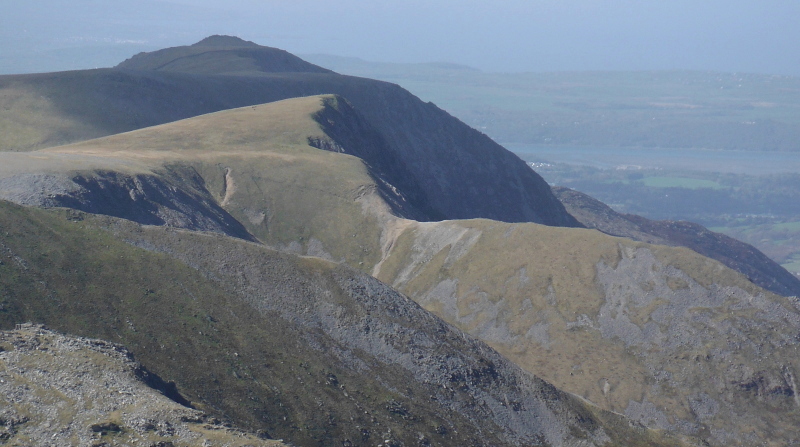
[(58, 390)]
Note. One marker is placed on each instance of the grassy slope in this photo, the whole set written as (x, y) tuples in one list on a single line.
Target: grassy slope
[(185, 327), (220, 331), (652, 343), (258, 164)]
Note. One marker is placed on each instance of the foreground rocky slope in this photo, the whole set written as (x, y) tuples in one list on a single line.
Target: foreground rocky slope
[(59, 390), (450, 170), (737, 255), (299, 348)]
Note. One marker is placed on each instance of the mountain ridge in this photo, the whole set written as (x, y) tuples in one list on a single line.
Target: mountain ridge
[(461, 172), (737, 255), (578, 293), (342, 328), (367, 180), (219, 55)]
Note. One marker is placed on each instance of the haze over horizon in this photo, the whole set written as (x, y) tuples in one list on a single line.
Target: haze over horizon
[(513, 36)]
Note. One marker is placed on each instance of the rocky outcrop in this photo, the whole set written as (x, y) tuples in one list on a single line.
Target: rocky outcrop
[(61, 390), (666, 336), (174, 197), (742, 257)]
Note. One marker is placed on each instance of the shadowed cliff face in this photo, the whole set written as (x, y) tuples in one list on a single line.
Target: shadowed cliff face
[(458, 171), (735, 254)]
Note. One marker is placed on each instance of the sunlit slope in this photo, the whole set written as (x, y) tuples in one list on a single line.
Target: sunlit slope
[(254, 164), (662, 335), (737, 255), (299, 348)]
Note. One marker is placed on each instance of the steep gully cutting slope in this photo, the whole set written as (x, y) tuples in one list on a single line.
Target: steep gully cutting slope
[(663, 335)]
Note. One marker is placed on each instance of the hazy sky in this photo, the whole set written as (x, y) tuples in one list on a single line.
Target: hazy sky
[(760, 36)]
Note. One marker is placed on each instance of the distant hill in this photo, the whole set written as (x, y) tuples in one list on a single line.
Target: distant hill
[(735, 254), (647, 109), (218, 55), (457, 171)]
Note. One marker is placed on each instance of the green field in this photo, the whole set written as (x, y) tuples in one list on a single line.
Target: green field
[(793, 266), (761, 210), (679, 182), (789, 226)]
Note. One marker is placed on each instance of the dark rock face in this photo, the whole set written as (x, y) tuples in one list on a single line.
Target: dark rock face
[(349, 133), (735, 254), (176, 198)]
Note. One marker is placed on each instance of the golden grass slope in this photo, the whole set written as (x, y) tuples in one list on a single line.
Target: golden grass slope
[(257, 162), (662, 335)]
